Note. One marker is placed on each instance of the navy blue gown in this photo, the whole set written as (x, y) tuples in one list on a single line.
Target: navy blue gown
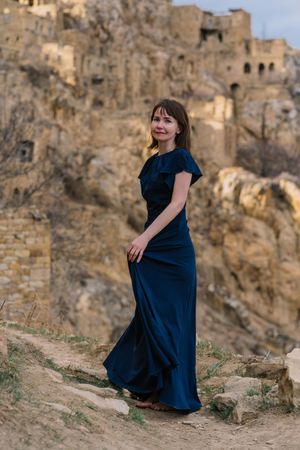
[(157, 352)]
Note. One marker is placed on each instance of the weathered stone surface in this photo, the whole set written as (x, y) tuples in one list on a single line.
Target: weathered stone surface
[(256, 260), (103, 392), (54, 375), (245, 410), (264, 369), (238, 398), (102, 403), (87, 372), (60, 408), (289, 383)]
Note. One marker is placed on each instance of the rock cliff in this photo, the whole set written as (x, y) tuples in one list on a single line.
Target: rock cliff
[(77, 84)]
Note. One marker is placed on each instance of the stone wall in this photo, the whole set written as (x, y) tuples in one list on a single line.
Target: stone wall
[(25, 259)]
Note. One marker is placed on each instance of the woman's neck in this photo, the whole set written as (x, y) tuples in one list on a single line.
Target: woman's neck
[(165, 147)]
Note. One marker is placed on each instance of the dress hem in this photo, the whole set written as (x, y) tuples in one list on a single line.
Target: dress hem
[(124, 385)]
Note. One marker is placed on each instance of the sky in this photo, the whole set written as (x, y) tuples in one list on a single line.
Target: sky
[(270, 18)]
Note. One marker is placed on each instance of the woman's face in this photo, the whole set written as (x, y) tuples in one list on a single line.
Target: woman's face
[(164, 127)]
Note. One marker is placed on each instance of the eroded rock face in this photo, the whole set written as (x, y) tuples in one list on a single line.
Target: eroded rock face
[(255, 234)]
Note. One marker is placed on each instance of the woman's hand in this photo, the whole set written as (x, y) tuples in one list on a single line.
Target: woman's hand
[(136, 248)]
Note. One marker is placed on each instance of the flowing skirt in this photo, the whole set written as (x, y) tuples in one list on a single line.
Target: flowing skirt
[(157, 352)]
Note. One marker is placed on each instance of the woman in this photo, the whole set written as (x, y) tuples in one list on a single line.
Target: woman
[(155, 357)]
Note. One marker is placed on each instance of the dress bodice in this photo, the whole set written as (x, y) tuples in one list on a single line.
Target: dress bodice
[(157, 181)]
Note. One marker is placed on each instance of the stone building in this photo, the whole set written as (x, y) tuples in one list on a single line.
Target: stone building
[(62, 58), (227, 37), (22, 32), (208, 39)]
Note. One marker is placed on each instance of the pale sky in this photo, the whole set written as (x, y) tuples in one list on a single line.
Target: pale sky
[(270, 18)]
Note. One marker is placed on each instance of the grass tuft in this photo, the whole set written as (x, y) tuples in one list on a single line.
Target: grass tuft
[(10, 375), (84, 342), (212, 370), (77, 418), (223, 412), (252, 392), (208, 348), (136, 416)]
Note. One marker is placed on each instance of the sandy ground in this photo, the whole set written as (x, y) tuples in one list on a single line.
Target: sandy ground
[(31, 423)]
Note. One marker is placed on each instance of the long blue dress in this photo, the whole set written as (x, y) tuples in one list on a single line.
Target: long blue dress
[(157, 352)]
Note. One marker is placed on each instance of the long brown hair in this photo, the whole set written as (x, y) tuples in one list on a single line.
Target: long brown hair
[(176, 110)]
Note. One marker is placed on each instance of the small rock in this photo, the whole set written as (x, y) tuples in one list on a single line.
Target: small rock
[(102, 403), (235, 399), (82, 428), (60, 408), (103, 392), (191, 424), (55, 376), (126, 393), (245, 410)]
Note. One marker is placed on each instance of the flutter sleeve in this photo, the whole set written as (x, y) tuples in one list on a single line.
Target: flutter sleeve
[(181, 160)]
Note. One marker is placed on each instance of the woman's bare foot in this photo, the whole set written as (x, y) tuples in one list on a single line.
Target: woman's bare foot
[(144, 404), (148, 402), (161, 407)]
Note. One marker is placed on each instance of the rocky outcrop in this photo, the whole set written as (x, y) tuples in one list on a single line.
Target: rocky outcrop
[(252, 242), (74, 117)]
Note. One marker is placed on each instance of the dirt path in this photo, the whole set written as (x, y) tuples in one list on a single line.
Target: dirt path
[(48, 416)]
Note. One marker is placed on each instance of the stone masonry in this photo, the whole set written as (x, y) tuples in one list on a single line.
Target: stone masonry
[(25, 257)]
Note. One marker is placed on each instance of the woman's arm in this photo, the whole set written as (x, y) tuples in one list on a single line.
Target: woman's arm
[(179, 196)]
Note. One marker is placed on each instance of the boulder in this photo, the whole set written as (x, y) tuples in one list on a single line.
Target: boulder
[(240, 400), (102, 403)]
